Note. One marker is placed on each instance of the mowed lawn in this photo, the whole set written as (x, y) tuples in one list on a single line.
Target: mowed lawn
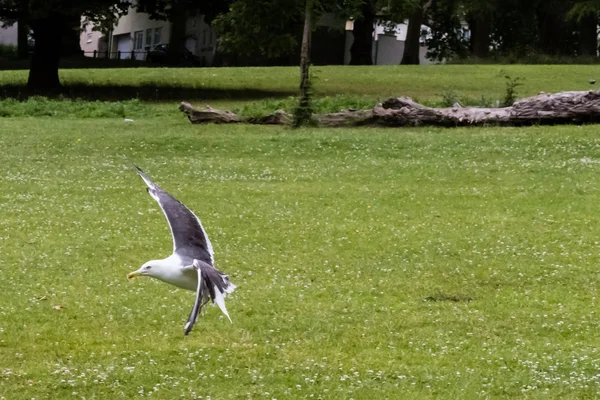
[(370, 263), (225, 86), (384, 263)]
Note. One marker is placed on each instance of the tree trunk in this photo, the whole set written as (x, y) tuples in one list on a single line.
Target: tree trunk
[(412, 45), (43, 72), (544, 109), (554, 33), (303, 112), (588, 36), (22, 44), (305, 56), (361, 51), (71, 32), (480, 35), (178, 19)]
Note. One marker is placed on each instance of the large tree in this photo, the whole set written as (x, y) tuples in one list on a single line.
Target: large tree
[(22, 40), (48, 19), (412, 44), (361, 51), (480, 17)]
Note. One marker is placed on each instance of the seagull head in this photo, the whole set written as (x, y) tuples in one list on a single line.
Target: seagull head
[(148, 269)]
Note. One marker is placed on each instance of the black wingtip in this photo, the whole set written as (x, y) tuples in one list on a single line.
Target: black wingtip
[(131, 162), (188, 328), (142, 174)]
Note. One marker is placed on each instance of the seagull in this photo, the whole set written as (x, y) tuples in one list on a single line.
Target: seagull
[(191, 266)]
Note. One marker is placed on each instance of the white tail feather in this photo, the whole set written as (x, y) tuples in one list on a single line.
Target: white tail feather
[(230, 286), (220, 301)]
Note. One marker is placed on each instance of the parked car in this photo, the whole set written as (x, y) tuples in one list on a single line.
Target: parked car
[(161, 54)]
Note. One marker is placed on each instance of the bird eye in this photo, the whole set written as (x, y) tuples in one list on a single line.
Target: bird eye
[(148, 267)]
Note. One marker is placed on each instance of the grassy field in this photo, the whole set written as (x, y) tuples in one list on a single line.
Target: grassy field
[(231, 85), (370, 263)]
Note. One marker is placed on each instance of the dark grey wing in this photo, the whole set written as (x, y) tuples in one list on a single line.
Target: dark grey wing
[(186, 228)]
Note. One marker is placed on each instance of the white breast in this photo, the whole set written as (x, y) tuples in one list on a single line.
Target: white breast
[(182, 279)]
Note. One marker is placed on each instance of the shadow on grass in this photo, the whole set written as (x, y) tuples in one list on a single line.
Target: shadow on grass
[(448, 297), (14, 64), (144, 92)]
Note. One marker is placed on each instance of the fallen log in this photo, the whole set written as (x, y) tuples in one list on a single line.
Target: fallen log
[(558, 108), (209, 115)]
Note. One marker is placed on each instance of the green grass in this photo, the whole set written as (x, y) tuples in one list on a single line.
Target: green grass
[(67, 108), (38, 106), (260, 91), (370, 263), (228, 85)]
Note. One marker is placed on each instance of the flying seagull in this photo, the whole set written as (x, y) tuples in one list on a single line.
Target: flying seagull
[(191, 266)]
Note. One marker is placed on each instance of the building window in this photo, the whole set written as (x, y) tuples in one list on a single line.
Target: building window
[(138, 40), (204, 37), (157, 33), (89, 38), (148, 37)]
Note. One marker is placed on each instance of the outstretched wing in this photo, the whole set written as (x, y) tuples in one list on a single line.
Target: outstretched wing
[(186, 228)]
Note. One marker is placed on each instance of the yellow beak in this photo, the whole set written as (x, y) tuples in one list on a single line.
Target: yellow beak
[(133, 274)]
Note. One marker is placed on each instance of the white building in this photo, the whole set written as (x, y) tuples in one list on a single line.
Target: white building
[(91, 41), (9, 36), (135, 34), (388, 44)]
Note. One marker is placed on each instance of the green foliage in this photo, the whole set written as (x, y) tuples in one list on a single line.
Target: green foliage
[(530, 58), (103, 13), (395, 11), (449, 98), (162, 9), (510, 95), (8, 51), (583, 8), (65, 108), (260, 27), (303, 112), (485, 102), (276, 26), (447, 39), (516, 27)]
